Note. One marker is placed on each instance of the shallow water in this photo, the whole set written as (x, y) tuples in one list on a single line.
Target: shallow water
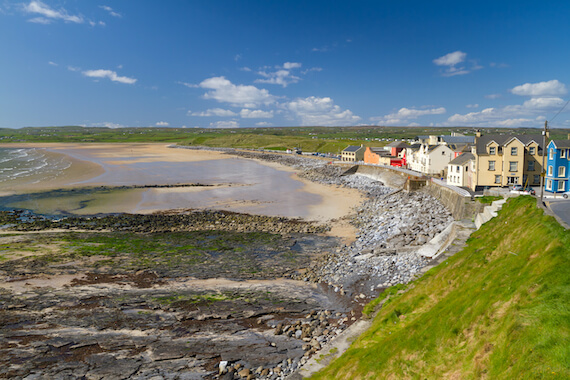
[(246, 186)]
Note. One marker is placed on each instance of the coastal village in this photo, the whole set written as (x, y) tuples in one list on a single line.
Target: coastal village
[(477, 162)]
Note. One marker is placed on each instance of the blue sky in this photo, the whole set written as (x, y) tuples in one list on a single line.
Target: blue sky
[(247, 63)]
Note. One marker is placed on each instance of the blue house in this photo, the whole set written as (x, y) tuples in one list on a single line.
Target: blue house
[(558, 167)]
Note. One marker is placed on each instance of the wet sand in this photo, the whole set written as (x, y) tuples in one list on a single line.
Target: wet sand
[(156, 164)]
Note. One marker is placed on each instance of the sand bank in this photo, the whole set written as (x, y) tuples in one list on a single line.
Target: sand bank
[(116, 160)]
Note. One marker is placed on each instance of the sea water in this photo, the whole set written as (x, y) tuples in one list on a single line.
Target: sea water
[(30, 165), (241, 185)]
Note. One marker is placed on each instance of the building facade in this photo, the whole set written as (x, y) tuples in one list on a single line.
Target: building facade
[(430, 159), (353, 153), (507, 160), (558, 167), (460, 170)]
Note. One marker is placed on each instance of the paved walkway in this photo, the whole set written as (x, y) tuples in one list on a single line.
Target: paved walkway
[(561, 208)]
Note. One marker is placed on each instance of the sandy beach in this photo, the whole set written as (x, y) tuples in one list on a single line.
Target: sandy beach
[(108, 164)]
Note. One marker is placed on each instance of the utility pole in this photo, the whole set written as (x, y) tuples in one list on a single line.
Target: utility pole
[(544, 153)]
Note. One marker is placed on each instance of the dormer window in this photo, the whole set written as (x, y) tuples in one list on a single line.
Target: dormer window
[(532, 150), (492, 150)]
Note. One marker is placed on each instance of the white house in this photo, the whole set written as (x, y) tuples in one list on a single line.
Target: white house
[(430, 159), (459, 170)]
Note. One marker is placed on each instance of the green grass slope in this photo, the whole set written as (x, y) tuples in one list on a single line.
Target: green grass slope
[(499, 309)]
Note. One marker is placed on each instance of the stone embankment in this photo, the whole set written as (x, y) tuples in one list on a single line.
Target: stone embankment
[(392, 225)]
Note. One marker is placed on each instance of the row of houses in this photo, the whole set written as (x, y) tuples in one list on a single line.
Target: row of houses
[(478, 161)]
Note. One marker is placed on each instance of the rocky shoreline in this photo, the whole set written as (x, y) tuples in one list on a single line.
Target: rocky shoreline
[(156, 322)]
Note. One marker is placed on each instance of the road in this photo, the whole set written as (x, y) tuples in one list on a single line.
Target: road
[(562, 209)]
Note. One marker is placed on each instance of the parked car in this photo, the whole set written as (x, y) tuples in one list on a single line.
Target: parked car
[(520, 189)]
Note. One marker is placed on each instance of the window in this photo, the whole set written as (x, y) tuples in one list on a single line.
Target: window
[(561, 171), (551, 154), (532, 150), (492, 150), (491, 165), (550, 171), (514, 151), (536, 178), (560, 185), (497, 179), (513, 166), (562, 153), (531, 166), (458, 169), (548, 184)]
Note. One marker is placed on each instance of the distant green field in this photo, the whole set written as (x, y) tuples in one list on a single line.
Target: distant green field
[(313, 139), (499, 309)]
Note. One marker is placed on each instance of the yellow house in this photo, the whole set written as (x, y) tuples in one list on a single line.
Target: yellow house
[(353, 153), (507, 160)]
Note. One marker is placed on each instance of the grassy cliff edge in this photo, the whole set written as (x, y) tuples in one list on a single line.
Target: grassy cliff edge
[(498, 309)]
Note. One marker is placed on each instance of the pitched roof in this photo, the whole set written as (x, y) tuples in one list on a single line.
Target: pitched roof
[(462, 158), (458, 139), (561, 143), (398, 144), (501, 140), (352, 148)]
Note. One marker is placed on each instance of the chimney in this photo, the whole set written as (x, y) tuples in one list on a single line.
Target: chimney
[(477, 133), (568, 136)]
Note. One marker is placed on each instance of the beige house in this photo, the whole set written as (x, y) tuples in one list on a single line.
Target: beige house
[(507, 160), (353, 153)]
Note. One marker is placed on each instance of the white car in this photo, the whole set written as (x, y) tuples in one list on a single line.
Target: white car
[(520, 189)]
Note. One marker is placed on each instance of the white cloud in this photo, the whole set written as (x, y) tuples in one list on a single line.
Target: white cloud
[(282, 76), (162, 124), (213, 112), (189, 85), (225, 124), (549, 88), (451, 61), (110, 10), (518, 115), (320, 111), (49, 14), (255, 114), (472, 105), (543, 103), (225, 91), (108, 74), (405, 114), (52, 63), (291, 65), (493, 96), (263, 124)]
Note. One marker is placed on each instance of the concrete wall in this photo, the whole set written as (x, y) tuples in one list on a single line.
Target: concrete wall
[(460, 207), (387, 176)]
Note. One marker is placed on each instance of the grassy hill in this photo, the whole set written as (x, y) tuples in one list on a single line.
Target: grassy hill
[(499, 309)]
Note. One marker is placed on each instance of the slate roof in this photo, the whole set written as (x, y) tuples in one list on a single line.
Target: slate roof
[(561, 143), (501, 140), (462, 158), (352, 148), (379, 151), (398, 144), (458, 139)]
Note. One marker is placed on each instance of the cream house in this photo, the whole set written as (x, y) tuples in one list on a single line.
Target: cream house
[(353, 153), (430, 159), (507, 160)]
